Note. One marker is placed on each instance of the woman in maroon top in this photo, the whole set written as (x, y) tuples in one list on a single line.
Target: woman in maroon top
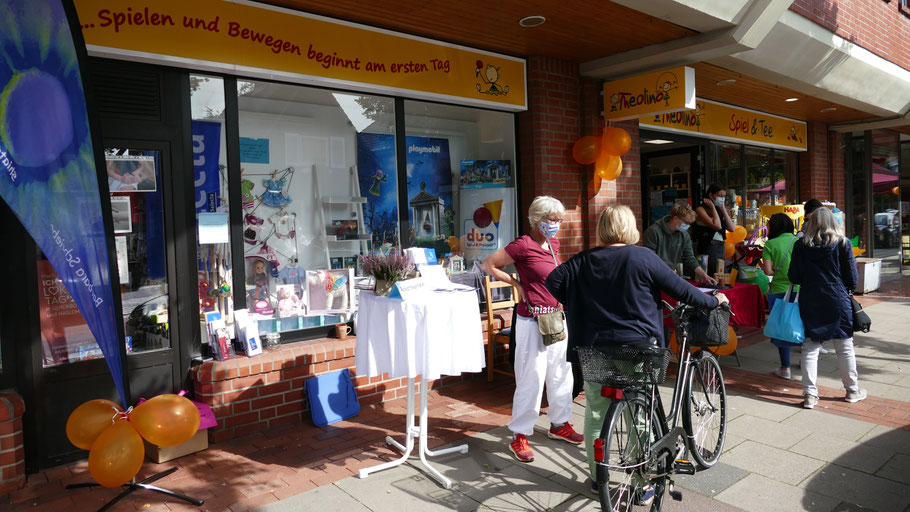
[(534, 257)]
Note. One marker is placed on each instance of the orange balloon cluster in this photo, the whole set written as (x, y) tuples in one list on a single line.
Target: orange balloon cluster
[(733, 237), (604, 152), (114, 438), (726, 350)]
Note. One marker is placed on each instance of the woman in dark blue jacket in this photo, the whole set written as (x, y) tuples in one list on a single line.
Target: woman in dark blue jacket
[(611, 294), (824, 266)]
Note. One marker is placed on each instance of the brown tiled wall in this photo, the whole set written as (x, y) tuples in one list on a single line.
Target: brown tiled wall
[(12, 449)]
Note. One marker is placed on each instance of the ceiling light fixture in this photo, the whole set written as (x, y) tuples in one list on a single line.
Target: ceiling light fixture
[(728, 81), (792, 99), (829, 109), (658, 141), (532, 21)]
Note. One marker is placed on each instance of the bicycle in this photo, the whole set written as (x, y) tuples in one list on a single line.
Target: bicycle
[(629, 455)]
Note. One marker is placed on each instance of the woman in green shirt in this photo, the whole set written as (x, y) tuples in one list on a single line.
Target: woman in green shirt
[(776, 262)]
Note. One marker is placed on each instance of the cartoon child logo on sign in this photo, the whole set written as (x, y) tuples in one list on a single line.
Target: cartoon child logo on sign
[(489, 76), (665, 83)]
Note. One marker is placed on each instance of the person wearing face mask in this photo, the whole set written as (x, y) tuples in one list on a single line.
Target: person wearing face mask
[(711, 225), (535, 255), (669, 238)]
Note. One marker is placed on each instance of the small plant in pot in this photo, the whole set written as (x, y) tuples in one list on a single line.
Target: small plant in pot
[(386, 269)]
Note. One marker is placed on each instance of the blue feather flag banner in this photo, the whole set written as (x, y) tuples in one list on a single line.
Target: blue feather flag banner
[(48, 175)]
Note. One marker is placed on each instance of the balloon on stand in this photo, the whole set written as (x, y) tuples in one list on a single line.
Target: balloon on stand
[(729, 250), (166, 420), (89, 420), (116, 455), (615, 141), (586, 149), (608, 166)]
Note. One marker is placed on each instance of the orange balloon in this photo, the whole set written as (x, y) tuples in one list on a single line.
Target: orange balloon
[(740, 234), (616, 141), (608, 166), (729, 250), (116, 455), (166, 420), (89, 420), (586, 149), (896, 190)]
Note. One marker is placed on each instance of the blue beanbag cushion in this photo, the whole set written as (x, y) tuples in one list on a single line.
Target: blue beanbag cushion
[(332, 397)]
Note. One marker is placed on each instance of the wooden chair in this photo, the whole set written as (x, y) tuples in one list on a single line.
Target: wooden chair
[(497, 336)]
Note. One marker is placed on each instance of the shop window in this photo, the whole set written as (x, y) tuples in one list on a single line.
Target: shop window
[(213, 250), (761, 187), (460, 180), (858, 211), (320, 189), (885, 198), (134, 179), (727, 170)]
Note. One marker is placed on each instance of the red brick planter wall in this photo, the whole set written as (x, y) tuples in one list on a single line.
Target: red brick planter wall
[(12, 448), (250, 394)]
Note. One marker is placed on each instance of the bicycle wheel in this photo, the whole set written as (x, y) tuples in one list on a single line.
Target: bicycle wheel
[(705, 412), (620, 477)]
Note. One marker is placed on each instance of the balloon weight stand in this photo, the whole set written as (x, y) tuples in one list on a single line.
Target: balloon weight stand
[(135, 486)]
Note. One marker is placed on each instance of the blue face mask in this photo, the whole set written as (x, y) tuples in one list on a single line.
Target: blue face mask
[(683, 227), (548, 230), (719, 201)]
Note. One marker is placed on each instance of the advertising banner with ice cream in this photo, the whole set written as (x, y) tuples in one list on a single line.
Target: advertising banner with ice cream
[(488, 220)]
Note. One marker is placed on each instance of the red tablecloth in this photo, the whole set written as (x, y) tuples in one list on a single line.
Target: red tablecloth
[(746, 302)]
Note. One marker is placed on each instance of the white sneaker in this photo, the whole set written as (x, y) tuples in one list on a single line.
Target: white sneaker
[(783, 373), (855, 396)]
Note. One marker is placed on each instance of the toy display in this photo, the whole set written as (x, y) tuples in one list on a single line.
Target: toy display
[(330, 291), (485, 173)]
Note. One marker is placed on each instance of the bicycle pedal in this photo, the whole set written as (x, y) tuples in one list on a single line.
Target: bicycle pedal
[(684, 467), (676, 495)]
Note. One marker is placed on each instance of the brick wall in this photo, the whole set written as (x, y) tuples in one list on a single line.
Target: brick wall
[(876, 25), (12, 448), (563, 107), (821, 167), (251, 394)]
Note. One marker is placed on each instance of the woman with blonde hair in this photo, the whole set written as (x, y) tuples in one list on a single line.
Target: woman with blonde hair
[(823, 265), (535, 256), (612, 297)]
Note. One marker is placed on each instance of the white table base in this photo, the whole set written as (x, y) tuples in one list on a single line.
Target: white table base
[(420, 433)]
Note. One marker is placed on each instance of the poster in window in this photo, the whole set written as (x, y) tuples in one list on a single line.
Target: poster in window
[(430, 209), (376, 166), (122, 214), (131, 173)]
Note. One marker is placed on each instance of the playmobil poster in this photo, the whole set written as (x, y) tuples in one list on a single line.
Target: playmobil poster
[(48, 173), (430, 208), (486, 173), (377, 167), (429, 185)]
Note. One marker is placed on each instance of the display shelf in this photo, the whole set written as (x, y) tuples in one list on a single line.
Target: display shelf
[(344, 200)]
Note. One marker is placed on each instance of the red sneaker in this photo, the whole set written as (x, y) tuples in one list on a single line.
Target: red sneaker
[(521, 449), (566, 433)]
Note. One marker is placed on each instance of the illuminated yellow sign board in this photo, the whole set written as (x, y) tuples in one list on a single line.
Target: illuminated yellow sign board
[(725, 122), (271, 42), (669, 90)]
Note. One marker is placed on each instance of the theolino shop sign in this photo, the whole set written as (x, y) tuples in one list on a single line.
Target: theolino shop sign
[(669, 90), (725, 122), (271, 42)]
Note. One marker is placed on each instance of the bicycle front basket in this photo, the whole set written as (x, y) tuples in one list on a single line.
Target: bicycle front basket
[(709, 328), (623, 366)]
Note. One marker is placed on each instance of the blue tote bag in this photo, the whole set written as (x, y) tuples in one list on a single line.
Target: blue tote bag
[(784, 322)]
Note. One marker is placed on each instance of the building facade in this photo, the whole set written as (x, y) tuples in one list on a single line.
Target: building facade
[(279, 141)]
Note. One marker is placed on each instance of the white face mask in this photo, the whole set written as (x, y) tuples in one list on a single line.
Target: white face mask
[(719, 201), (683, 227)]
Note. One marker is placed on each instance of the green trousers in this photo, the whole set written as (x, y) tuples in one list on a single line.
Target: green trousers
[(596, 408)]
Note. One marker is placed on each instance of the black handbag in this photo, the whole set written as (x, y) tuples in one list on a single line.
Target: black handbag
[(861, 321), (710, 328)]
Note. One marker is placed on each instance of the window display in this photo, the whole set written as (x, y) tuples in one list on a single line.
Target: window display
[(319, 189), (461, 180)]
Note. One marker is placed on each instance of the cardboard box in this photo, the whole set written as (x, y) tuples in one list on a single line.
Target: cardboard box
[(199, 442)]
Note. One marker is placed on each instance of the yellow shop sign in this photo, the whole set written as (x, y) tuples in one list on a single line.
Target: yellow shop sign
[(725, 122), (250, 39), (654, 93)]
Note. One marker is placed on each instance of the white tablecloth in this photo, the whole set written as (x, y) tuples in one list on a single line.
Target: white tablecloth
[(393, 334)]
